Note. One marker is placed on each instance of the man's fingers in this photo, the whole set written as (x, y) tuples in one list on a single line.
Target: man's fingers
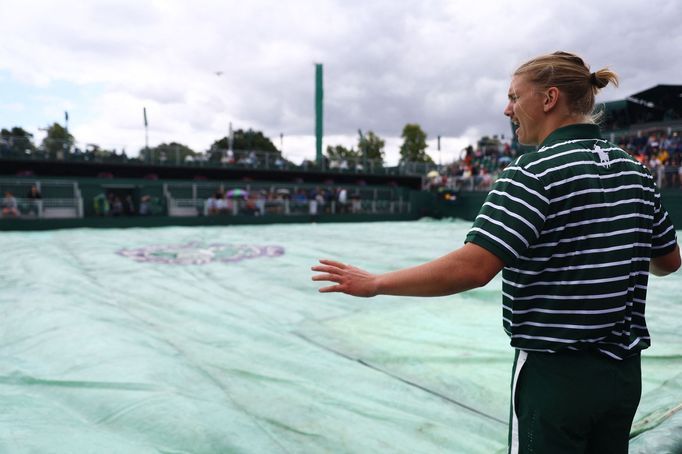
[(331, 289), (332, 263), (327, 277), (326, 269)]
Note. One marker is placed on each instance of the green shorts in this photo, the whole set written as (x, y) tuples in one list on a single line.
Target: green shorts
[(573, 402)]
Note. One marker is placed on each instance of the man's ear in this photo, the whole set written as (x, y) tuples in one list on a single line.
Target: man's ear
[(551, 99)]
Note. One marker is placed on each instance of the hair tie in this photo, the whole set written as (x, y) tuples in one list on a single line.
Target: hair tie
[(593, 79)]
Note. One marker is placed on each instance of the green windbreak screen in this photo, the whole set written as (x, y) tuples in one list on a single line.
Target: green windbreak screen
[(215, 340)]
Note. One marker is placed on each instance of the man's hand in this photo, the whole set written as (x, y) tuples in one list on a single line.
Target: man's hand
[(349, 279)]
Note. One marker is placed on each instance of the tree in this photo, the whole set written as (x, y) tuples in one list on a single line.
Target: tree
[(16, 143), (58, 142), (171, 152), (371, 146), (339, 153), (94, 151), (248, 140), (414, 146)]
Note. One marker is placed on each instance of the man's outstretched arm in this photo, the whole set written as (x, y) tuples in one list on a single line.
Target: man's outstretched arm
[(468, 267)]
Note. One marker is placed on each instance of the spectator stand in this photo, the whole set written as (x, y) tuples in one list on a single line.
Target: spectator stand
[(475, 171), (260, 199), (212, 159), (660, 151), (59, 198)]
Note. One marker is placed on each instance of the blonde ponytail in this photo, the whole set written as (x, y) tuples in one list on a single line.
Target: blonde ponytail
[(569, 73)]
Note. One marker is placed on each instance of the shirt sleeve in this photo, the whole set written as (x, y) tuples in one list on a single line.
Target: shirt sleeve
[(663, 237), (512, 215)]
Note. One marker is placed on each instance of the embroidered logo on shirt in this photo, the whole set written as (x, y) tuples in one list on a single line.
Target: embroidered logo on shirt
[(603, 156)]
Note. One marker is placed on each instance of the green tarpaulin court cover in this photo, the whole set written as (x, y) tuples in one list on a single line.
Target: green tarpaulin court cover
[(215, 340)]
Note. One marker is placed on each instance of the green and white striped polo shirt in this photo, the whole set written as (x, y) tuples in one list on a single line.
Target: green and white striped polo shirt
[(576, 224)]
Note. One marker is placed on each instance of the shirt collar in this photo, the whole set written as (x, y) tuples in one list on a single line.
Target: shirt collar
[(575, 131)]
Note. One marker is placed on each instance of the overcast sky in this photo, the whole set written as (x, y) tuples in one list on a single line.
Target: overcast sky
[(443, 64)]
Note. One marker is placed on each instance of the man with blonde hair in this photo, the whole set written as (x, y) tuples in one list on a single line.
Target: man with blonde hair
[(576, 227)]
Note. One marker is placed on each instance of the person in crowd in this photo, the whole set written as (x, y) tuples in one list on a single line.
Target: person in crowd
[(577, 226), (224, 204), (314, 201), (342, 199), (129, 205), (484, 180), (250, 207), (299, 200), (211, 205), (260, 198), (145, 205), (322, 196), (116, 205), (34, 193), (10, 206), (101, 204), (355, 203), (34, 200)]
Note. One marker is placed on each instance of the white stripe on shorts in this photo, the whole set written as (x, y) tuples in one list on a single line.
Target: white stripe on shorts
[(520, 361)]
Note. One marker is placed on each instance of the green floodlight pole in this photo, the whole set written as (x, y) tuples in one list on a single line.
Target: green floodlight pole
[(146, 134), (363, 149), (65, 145), (319, 96)]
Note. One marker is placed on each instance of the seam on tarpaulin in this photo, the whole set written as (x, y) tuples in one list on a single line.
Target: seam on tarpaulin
[(397, 377)]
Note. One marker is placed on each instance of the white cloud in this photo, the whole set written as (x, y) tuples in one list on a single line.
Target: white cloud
[(442, 64)]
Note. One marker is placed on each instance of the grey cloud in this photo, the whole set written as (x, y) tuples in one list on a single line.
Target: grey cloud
[(443, 64)]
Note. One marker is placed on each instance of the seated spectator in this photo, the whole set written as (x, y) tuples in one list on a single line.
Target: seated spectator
[(355, 203), (249, 207), (342, 198), (101, 205), (300, 197), (313, 202), (129, 205), (224, 205), (320, 199), (260, 198), (34, 198), (145, 205), (485, 181), (117, 206), (34, 193), (211, 206), (9, 205)]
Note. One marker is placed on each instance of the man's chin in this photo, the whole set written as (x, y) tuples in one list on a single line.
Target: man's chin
[(526, 142)]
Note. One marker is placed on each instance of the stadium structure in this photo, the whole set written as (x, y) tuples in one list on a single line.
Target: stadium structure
[(79, 190)]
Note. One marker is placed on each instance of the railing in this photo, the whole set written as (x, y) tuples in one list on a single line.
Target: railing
[(49, 208), (68, 204), (243, 159), (195, 199), (262, 207)]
